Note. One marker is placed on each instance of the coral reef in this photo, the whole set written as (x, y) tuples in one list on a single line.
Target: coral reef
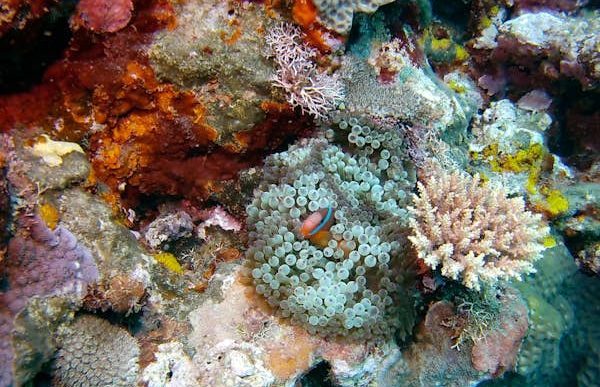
[(496, 351), (170, 226), (4, 208), (475, 234), (16, 14), (172, 368), (432, 357), (565, 47), (550, 315), (121, 294), (237, 341), (95, 352), (299, 192), (40, 263), (439, 353)]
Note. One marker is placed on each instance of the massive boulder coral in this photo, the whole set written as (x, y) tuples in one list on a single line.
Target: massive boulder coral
[(94, 352), (475, 234), (41, 263), (338, 14)]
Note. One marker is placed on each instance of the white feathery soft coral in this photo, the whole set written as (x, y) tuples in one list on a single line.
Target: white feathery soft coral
[(314, 91), (473, 232)]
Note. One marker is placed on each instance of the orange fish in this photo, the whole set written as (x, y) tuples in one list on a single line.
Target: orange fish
[(317, 221)]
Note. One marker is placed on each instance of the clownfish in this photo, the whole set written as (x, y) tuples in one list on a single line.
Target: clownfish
[(316, 228), (317, 222)]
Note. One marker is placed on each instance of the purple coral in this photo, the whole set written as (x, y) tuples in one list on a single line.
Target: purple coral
[(46, 262), (313, 91), (40, 262)]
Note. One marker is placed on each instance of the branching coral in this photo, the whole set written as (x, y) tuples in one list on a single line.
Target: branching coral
[(314, 91), (475, 233)]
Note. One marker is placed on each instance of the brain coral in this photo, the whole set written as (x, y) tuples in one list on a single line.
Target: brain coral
[(343, 278), (337, 14), (96, 353)]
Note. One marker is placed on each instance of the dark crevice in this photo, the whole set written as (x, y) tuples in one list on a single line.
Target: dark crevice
[(27, 53)]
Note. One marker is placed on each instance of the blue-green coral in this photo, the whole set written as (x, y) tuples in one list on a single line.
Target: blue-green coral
[(347, 284)]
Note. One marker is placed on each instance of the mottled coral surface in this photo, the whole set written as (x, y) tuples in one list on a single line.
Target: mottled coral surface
[(145, 136), (40, 263)]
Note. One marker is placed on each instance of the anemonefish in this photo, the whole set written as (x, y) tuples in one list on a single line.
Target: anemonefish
[(316, 227), (317, 222)]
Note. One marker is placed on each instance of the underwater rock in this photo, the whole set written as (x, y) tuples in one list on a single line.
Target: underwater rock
[(5, 209), (33, 334), (431, 359), (121, 294), (216, 216), (96, 227), (412, 97), (521, 6), (509, 147), (102, 16), (580, 225), (456, 349), (171, 368), (238, 341), (218, 50), (168, 227), (588, 258), (16, 14), (497, 351), (28, 169), (551, 47)]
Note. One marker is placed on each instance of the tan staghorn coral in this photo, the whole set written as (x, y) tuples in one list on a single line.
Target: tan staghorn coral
[(473, 231)]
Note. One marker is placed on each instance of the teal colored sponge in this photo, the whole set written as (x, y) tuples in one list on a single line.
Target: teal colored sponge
[(342, 279)]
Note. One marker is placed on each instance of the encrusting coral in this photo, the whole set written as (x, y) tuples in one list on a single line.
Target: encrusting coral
[(475, 233)]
